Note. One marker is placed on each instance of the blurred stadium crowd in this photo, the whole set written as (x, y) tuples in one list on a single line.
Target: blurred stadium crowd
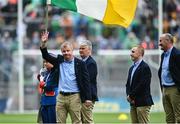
[(73, 27), (69, 26)]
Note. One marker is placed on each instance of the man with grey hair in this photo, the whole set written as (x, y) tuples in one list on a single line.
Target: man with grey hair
[(73, 84), (169, 76), (85, 51)]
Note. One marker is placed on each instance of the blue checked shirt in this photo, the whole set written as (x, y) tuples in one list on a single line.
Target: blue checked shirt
[(67, 80), (165, 75), (135, 65)]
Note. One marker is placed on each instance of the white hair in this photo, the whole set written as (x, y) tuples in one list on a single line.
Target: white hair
[(86, 43)]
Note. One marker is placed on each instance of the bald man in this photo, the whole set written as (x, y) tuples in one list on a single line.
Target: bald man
[(138, 87), (169, 76)]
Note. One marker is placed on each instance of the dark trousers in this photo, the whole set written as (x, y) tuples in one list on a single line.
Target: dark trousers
[(48, 113)]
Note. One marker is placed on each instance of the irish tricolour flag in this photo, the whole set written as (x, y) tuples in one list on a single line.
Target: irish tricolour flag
[(118, 12)]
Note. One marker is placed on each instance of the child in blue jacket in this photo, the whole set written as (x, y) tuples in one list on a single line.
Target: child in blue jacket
[(48, 87)]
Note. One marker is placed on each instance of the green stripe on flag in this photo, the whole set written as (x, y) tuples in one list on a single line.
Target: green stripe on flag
[(65, 4)]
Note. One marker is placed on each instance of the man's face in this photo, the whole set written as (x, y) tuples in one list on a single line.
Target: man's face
[(67, 52), (163, 43), (135, 54), (84, 51)]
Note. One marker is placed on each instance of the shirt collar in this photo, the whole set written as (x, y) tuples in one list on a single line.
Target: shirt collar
[(69, 61), (137, 62), (84, 59), (168, 52)]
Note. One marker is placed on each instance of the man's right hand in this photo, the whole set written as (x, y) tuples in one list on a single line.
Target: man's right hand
[(44, 38), (130, 100)]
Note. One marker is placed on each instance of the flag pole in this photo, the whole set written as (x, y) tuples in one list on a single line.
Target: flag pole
[(21, 57), (48, 2), (160, 8), (160, 12)]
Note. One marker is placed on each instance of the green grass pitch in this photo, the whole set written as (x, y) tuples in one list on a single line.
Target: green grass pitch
[(111, 118)]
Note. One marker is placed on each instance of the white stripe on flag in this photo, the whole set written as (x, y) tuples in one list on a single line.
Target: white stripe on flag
[(48, 1), (93, 8)]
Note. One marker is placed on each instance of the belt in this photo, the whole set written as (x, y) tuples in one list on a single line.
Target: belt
[(166, 86), (67, 93)]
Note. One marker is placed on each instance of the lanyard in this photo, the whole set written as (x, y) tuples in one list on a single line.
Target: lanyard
[(47, 77)]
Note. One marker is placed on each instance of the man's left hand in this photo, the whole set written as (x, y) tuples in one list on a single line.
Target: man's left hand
[(88, 103)]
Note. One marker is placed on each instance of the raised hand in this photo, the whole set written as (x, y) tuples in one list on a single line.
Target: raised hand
[(44, 38)]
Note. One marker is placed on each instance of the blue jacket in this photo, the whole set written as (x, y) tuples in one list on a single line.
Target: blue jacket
[(51, 84)]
